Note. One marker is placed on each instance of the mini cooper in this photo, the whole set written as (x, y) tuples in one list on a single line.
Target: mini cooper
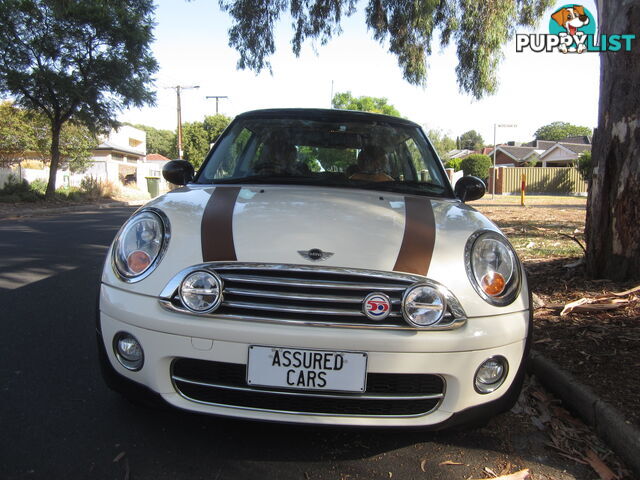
[(319, 268)]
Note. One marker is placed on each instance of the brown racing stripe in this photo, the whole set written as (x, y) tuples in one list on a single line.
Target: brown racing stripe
[(216, 230), (419, 237)]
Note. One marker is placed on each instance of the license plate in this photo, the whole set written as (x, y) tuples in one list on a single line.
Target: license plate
[(307, 369)]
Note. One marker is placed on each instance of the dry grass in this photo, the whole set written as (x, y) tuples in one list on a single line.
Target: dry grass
[(540, 230)]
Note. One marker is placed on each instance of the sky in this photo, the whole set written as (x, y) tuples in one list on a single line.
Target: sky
[(191, 46)]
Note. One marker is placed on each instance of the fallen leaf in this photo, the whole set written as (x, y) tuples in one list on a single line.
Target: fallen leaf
[(599, 466), (450, 462), (490, 472), (119, 457), (423, 463), (521, 475)]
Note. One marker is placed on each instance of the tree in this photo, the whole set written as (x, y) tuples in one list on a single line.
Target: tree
[(613, 211), (557, 131), (197, 137), (160, 141), (26, 134), (477, 165), (195, 142), (441, 142), (478, 28), (346, 101), (471, 140), (16, 134), (76, 61), (215, 125), (585, 166), (455, 163)]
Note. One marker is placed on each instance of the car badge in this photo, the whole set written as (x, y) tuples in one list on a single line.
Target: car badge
[(315, 254), (376, 306)]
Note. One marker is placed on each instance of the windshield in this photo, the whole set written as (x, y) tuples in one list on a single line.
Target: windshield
[(355, 154)]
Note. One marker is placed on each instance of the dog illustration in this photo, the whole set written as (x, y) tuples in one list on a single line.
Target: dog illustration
[(571, 19)]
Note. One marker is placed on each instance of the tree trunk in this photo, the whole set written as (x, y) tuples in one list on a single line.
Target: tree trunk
[(613, 208), (56, 127)]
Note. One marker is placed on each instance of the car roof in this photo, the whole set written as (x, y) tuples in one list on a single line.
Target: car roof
[(332, 115)]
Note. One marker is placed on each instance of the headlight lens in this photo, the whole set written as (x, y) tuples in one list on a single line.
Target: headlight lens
[(493, 268), (139, 245), (201, 291), (423, 305)]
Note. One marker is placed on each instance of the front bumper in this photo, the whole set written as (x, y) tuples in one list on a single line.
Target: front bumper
[(453, 355)]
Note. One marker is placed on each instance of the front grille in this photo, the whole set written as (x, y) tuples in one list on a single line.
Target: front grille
[(303, 294), (224, 384)]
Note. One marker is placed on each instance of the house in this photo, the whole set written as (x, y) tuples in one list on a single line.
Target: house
[(547, 153), (459, 153), (118, 156)]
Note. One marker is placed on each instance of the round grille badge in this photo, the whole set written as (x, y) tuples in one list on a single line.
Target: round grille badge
[(376, 306)]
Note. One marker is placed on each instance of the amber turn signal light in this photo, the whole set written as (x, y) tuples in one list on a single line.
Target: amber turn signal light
[(493, 284), (138, 261)]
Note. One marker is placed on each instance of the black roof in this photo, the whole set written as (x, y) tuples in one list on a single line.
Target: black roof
[(331, 115)]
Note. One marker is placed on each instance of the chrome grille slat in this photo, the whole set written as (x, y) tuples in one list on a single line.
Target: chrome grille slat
[(290, 309), (298, 296), (299, 282)]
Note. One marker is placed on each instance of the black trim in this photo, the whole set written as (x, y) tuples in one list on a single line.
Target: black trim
[(325, 114)]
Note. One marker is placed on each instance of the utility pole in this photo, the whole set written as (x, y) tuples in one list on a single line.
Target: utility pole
[(178, 89), (217, 97)]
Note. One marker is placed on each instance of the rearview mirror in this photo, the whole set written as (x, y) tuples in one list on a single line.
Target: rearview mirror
[(469, 188), (178, 172)]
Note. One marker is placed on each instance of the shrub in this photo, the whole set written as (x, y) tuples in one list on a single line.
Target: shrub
[(585, 167), (455, 163), (477, 165), (39, 185), (32, 164), (18, 190), (95, 189)]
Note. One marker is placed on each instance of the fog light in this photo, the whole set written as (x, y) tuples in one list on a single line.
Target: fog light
[(128, 351), (491, 374)]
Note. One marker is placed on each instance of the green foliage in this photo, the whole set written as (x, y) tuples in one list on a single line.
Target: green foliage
[(471, 140), (215, 125), (73, 60), (585, 166), (160, 141), (16, 133), (346, 101), (39, 185), (441, 142), (23, 131), (532, 160), (478, 28), (557, 131), (477, 165), (198, 136), (455, 163)]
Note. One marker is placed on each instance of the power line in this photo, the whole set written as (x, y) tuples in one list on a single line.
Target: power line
[(217, 97)]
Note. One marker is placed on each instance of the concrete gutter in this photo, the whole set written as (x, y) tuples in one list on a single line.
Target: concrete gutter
[(609, 423)]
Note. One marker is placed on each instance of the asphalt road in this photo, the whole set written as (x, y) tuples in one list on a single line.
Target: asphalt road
[(58, 420)]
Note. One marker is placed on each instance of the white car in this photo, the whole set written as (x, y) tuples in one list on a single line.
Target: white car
[(318, 269)]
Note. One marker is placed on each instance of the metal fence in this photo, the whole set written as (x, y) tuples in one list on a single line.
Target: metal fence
[(557, 180)]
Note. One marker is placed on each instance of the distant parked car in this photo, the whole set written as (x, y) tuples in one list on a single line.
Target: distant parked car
[(319, 268)]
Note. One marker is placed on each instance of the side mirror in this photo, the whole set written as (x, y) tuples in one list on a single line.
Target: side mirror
[(469, 188), (178, 172)]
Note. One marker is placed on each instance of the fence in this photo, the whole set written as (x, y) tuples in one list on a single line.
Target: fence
[(549, 180)]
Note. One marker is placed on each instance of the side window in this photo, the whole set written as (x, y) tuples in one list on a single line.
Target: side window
[(423, 175)]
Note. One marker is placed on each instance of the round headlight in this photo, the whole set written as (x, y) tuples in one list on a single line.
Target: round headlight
[(201, 291), (139, 245), (493, 268), (128, 351), (423, 305)]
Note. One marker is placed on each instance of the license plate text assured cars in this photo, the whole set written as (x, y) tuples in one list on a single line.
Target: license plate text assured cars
[(306, 369)]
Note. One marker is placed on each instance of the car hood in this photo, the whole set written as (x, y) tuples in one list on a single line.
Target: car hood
[(353, 228)]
